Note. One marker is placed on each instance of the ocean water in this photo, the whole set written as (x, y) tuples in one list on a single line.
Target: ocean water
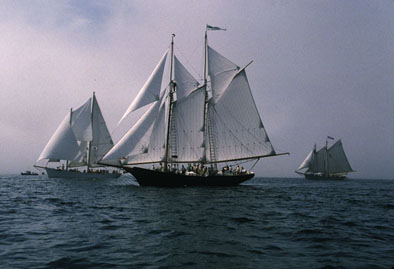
[(265, 223)]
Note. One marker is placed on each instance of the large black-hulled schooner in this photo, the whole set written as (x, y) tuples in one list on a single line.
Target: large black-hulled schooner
[(194, 125)]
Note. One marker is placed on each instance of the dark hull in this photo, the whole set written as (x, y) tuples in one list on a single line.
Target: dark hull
[(29, 174), (146, 177), (314, 176), (54, 173)]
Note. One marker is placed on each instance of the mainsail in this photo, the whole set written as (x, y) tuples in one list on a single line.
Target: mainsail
[(238, 132), (184, 125), (337, 160), (82, 138)]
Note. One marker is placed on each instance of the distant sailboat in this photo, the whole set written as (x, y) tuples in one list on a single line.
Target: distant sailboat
[(192, 125), (29, 173), (326, 163), (81, 140)]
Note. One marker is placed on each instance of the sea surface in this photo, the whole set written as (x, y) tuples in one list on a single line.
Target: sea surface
[(265, 223)]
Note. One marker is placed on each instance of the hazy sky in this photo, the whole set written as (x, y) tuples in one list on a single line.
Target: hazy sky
[(320, 68)]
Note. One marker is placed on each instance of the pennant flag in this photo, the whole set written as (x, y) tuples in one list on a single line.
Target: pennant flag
[(214, 28), (329, 137)]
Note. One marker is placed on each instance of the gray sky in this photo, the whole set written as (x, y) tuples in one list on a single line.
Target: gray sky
[(320, 68)]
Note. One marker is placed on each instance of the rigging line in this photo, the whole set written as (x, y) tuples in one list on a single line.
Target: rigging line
[(254, 164)]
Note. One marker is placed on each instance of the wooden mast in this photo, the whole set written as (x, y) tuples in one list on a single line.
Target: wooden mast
[(172, 90), (326, 159), (207, 130), (71, 115), (90, 142)]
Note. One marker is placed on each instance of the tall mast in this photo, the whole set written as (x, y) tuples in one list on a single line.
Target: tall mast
[(71, 115), (90, 142), (207, 129), (326, 158), (205, 58), (172, 90)]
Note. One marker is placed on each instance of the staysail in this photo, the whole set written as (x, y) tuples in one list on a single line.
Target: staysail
[(308, 162), (63, 144), (151, 89)]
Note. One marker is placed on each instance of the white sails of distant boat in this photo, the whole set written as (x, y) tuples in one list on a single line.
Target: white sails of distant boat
[(186, 122), (81, 140), (328, 162)]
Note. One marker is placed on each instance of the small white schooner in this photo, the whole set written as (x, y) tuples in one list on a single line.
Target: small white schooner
[(326, 163), (189, 128), (80, 141)]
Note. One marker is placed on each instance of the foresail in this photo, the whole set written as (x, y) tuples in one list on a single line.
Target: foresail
[(62, 145), (221, 71), (157, 141), (185, 82), (102, 141), (151, 89), (308, 162), (189, 126), (337, 160), (238, 131), (154, 150), (136, 140), (81, 122)]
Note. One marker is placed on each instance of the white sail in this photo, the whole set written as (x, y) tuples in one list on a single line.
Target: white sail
[(185, 82), (102, 141), (238, 131), (221, 71), (81, 159), (154, 151), (337, 161), (136, 140), (308, 162), (81, 122), (157, 141), (151, 89), (189, 118), (63, 144)]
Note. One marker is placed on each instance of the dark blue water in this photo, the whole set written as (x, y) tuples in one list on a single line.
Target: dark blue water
[(266, 223)]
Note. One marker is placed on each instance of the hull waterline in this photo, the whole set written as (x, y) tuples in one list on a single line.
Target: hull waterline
[(55, 173), (330, 177), (147, 177)]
